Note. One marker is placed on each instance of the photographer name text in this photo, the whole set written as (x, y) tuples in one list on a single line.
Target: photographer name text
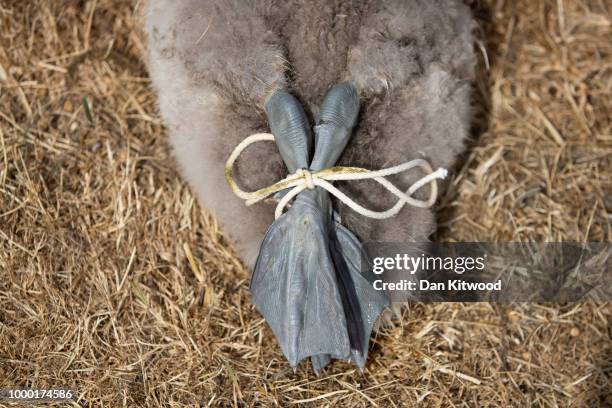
[(425, 285)]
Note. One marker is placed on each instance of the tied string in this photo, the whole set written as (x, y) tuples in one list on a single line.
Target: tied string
[(303, 179)]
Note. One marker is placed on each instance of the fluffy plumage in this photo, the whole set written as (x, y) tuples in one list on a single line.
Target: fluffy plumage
[(214, 63)]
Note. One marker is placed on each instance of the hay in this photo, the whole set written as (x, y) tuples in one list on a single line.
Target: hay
[(114, 282)]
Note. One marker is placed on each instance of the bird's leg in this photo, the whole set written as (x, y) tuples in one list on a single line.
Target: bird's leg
[(337, 117), (362, 305), (290, 128)]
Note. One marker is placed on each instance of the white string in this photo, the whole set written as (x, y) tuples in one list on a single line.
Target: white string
[(303, 179)]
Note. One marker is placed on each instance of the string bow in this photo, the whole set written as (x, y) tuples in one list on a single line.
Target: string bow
[(304, 178)]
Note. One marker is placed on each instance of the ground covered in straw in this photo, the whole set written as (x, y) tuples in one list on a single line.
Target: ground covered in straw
[(116, 283)]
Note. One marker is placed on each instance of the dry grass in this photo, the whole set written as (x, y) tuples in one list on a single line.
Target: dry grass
[(113, 281)]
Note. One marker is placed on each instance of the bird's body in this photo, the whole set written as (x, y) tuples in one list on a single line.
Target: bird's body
[(217, 64), (214, 63)]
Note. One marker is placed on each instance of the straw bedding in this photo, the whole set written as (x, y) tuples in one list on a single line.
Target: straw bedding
[(116, 283)]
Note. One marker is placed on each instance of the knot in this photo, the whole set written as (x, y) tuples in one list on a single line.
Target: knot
[(307, 176), (303, 179)]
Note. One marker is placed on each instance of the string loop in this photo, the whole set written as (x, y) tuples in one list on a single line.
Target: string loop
[(304, 178)]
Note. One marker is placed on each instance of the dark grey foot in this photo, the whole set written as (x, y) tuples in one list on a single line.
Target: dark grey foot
[(308, 285)]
